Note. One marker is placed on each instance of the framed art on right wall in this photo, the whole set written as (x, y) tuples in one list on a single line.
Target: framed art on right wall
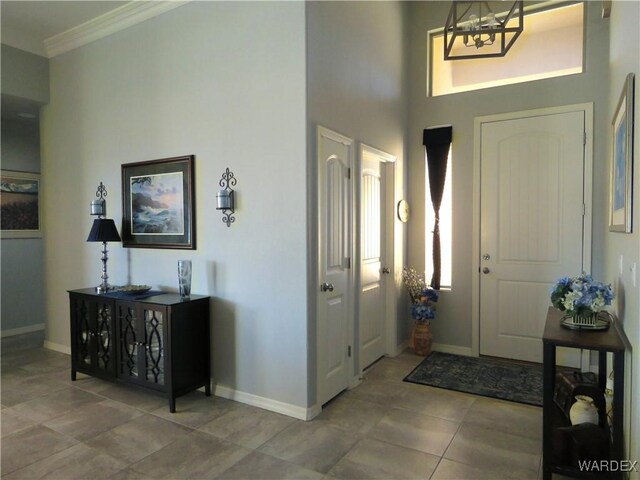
[(622, 161)]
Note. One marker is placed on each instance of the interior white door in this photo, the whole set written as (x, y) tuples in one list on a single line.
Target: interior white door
[(531, 226), (373, 270), (335, 159)]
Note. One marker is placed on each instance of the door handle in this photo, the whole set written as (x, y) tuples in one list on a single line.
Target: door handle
[(485, 270), (386, 270), (326, 287)]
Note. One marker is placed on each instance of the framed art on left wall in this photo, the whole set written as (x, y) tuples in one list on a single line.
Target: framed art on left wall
[(20, 204), (158, 202)]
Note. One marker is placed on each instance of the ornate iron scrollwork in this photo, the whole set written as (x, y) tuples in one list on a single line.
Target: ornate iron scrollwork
[(154, 350), (226, 197)]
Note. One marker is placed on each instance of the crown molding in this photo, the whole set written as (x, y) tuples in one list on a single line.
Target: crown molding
[(107, 24)]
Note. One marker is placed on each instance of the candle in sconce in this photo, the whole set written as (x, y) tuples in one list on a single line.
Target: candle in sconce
[(98, 207), (225, 199)]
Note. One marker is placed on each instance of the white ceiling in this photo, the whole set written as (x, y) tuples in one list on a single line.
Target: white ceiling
[(27, 24)]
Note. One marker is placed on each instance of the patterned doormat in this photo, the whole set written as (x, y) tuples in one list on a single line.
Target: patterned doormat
[(489, 377)]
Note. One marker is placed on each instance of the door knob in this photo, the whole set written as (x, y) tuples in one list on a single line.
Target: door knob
[(386, 270), (485, 270), (326, 287)]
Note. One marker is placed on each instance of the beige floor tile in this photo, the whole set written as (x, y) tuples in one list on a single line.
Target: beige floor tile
[(313, 445), (378, 460), (436, 402), (142, 436), (383, 392), (129, 474), (195, 409), (450, 470), (12, 422), (46, 407), (415, 430), (23, 387), (135, 397), (93, 419), (33, 357), (30, 445), (247, 426), (91, 384), (510, 417), (259, 466), (78, 462), (352, 415), (197, 455), (504, 454), (389, 369)]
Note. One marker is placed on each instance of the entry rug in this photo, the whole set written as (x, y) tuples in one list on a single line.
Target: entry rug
[(488, 377)]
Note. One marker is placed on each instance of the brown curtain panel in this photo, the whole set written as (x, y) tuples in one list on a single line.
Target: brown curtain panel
[(437, 142)]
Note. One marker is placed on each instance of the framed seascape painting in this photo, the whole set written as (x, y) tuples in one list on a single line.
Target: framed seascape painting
[(622, 161), (158, 203), (20, 204)]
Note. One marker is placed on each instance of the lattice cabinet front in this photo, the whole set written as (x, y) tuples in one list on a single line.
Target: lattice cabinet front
[(141, 329), (92, 336), (159, 342)]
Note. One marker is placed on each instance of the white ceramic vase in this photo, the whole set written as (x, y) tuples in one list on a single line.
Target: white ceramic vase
[(583, 411)]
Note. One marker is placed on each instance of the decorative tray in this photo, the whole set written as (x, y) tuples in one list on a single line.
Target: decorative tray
[(134, 289), (601, 323)]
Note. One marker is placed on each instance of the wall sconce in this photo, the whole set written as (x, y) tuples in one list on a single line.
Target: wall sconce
[(99, 206), (225, 198)]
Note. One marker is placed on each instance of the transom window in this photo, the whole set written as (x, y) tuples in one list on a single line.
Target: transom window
[(551, 45)]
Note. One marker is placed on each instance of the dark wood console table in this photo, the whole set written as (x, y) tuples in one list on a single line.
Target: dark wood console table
[(612, 340), (160, 342)]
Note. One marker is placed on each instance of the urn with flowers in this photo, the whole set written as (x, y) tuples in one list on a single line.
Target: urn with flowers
[(423, 310)]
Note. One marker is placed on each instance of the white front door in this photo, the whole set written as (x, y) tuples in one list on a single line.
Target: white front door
[(373, 267), (531, 225), (335, 325)]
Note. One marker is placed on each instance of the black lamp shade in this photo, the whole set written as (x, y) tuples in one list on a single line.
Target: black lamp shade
[(104, 230)]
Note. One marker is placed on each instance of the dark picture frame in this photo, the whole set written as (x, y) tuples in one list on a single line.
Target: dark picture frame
[(158, 203), (20, 215), (621, 199)]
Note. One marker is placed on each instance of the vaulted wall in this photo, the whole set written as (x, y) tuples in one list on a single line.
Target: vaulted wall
[(224, 81)]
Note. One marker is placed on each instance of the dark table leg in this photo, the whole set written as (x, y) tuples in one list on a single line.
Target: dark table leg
[(548, 380), (617, 450)]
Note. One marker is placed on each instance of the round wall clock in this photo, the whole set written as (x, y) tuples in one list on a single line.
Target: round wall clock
[(403, 211)]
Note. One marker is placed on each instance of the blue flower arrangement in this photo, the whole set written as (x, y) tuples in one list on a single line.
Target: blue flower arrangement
[(423, 298), (581, 296)]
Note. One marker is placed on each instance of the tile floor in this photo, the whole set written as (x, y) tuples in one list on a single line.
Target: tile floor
[(383, 429)]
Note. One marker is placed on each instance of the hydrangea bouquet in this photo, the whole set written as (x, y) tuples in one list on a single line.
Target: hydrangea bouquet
[(581, 296), (422, 297)]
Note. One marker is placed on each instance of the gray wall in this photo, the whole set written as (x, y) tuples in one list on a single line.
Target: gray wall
[(624, 58), (356, 86), (224, 81), (22, 258), (25, 85), (24, 74), (453, 323)]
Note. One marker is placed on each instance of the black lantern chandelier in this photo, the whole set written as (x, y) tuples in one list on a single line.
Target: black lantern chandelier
[(475, 25)]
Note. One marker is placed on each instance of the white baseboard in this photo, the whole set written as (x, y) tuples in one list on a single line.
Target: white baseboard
[(454, 349), (57, 347), (294, 411), (400, 348), (22, 330)]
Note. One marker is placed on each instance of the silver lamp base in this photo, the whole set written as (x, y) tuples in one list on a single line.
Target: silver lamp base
[(104, 288)]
